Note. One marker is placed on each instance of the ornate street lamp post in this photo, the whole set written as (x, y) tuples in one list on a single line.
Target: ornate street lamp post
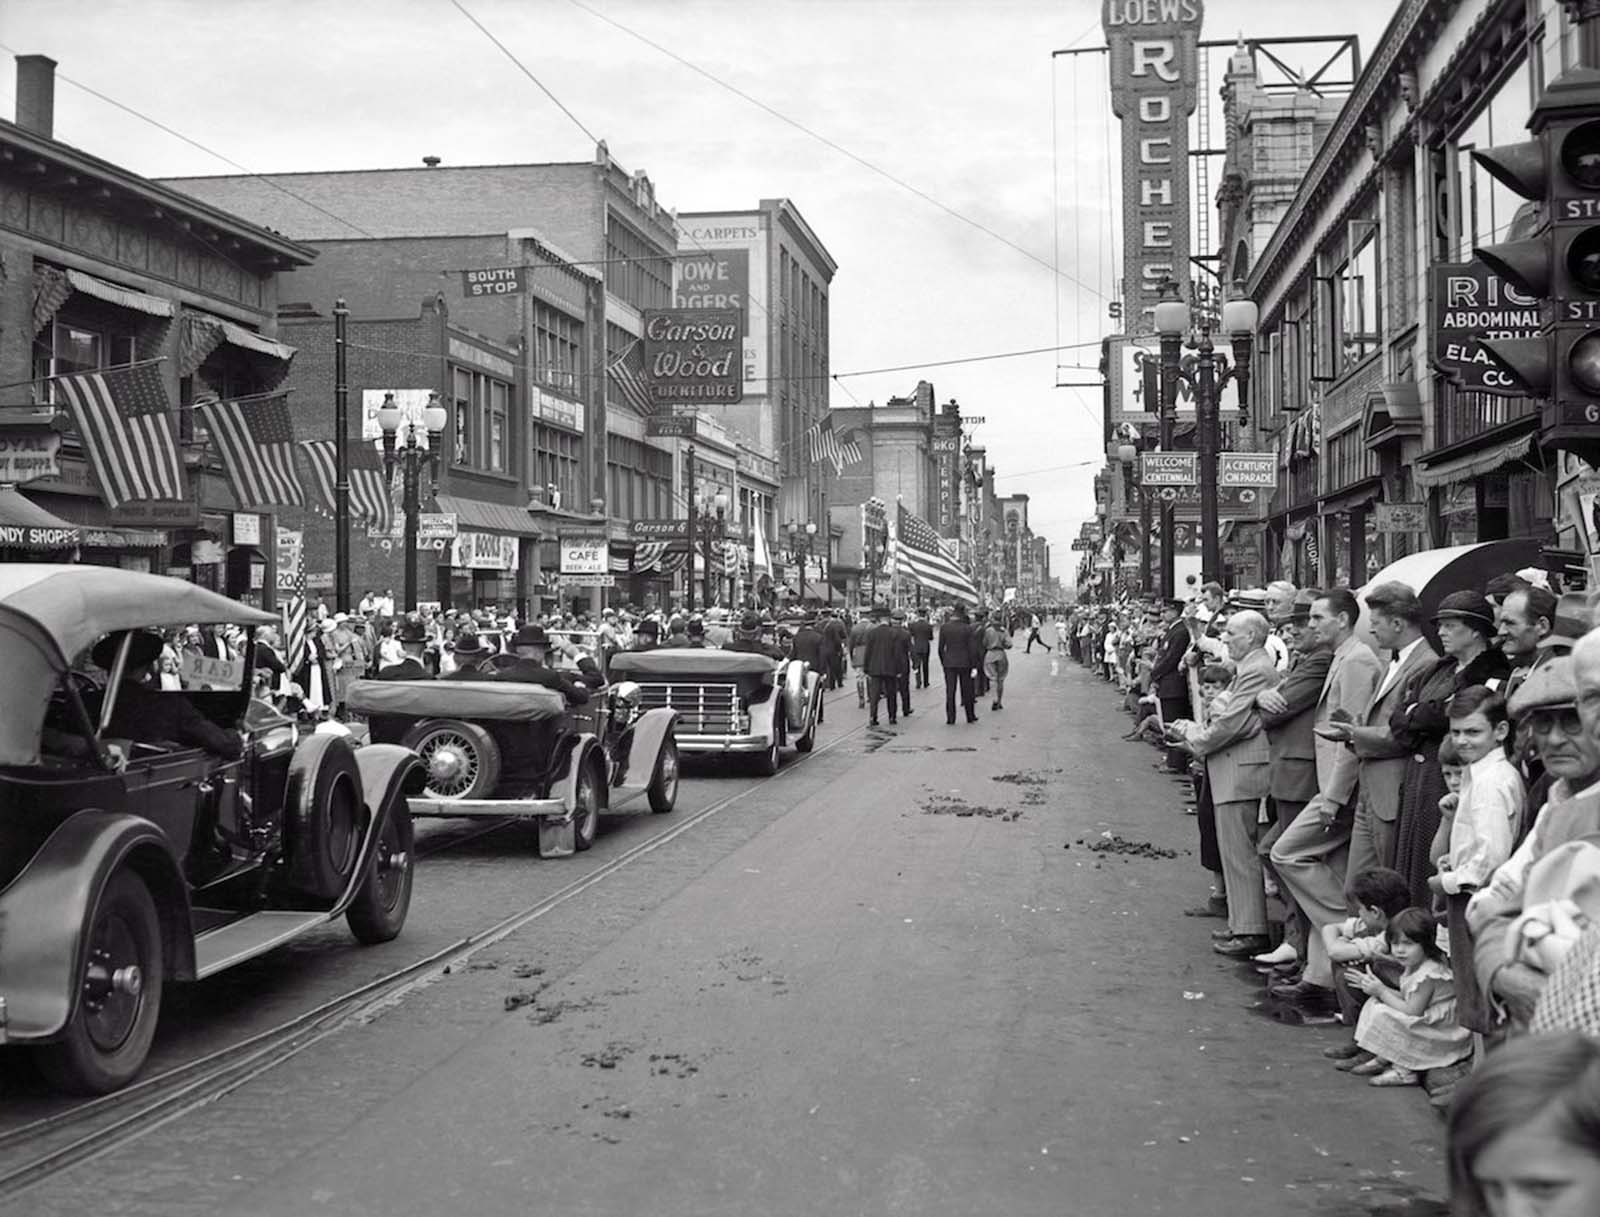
[(412, 456)]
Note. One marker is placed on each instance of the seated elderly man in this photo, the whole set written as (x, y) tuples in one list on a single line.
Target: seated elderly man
[(1560, 703), (1238, 762)]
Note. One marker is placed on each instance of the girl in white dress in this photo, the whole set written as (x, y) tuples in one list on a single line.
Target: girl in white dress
[(1411, 1029)]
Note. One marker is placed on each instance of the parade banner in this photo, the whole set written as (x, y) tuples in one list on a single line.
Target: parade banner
[(1248, 469), (1169, 469), (436, 526)]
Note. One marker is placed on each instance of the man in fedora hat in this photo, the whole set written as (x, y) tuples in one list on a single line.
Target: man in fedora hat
[(903, 645), (413, 640), (531, 647), (747, 638), (145, 715), (881, 662), (471, 658), (646, 635)]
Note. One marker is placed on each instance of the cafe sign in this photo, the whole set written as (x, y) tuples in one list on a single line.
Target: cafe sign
[(1471, 303), (694, 356), (585, 554), (28, 453)]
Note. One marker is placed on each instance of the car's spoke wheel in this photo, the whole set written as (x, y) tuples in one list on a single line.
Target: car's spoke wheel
[(663, 793), (108, 1037), (379, 910), (462, 759), (586, 809)]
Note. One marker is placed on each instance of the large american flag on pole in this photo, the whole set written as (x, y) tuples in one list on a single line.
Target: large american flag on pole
[(919, 554), (257, 442), (124, 418), (369, 488), (823, 444), (294, 621), (626, 373)]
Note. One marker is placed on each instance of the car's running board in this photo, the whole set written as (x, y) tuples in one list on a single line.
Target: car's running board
[(248, 937)]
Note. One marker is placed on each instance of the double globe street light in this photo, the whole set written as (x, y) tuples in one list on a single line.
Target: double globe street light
[(801, 539), (411, 457), (1211, 373)]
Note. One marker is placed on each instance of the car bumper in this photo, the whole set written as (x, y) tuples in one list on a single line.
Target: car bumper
[(722, 743), (498, 809)]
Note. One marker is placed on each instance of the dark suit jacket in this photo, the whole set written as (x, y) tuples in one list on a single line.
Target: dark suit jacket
[(528, 672), (921, 636), (407, 669), (807, 645), (958, 648), (902, 648), (148, 717), (1168, 676), (1290, 743), (883, 649)]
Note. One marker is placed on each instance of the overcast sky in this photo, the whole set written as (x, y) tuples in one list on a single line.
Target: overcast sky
[(953, 97)]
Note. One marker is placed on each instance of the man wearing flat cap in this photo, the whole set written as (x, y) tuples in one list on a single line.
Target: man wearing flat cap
[(413, 639), (531, 647), (1560, 705), (145, 715)]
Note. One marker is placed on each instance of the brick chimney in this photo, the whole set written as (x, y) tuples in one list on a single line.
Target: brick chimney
[(36, 94)]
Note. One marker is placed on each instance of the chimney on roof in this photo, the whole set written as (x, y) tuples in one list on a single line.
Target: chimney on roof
[(432, 162), (36, 94)]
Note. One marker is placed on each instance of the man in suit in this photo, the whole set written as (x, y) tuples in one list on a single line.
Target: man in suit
[(531, 646), (835, 638), (958, 656), (921, 646), (903, 647), (1310, 856), (1292, 748), (881, 663), (413, 640), (1169, 678), (471, 659), (1394, 616), (1237, 757)]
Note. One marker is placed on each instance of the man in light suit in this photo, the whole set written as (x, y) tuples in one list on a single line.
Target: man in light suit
[(1237, 758), (1394, 616), (1309, 857)]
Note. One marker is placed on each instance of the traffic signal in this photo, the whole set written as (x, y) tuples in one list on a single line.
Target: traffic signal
[(1554, 257)]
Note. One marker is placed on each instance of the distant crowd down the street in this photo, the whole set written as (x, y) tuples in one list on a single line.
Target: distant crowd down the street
[(1398, 813)]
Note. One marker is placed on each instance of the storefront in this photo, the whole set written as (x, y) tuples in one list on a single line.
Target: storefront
[(492, 561)]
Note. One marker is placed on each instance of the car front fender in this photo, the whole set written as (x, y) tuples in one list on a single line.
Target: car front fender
[(796, 694), (45, 913), (584, 753), (645, 740), (388, 774)]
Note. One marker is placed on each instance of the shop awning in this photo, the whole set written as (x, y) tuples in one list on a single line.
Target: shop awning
[(53, 285), (202, 333), (1469, 465), (249, 340), (488, 517), (26, 525)]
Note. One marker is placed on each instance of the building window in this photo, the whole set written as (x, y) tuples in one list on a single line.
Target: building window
[(63, 347), (636, 269), (639, 478), (462, 384), (557, 465), (557, 348), (482, 420), (499, 395), (1486, 208), (1355, 300)]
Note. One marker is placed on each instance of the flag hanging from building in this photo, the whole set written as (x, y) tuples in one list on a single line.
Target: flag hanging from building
[(294, 620), (257, 442), (760, 559), (369, 488), (919, 554), (124, 419), (823, 444), (626, 374)]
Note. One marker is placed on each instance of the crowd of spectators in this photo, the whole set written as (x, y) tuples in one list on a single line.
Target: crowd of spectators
[(1398, 811)]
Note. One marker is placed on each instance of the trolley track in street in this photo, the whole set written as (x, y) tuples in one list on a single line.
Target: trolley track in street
[(33, 1152)]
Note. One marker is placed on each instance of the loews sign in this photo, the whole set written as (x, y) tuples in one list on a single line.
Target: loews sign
[(1154, 63)]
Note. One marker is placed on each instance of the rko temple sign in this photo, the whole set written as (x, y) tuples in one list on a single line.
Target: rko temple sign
[(1154, 64)]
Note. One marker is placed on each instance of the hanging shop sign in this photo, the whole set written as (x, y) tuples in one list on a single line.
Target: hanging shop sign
[(27, 453), (660, 530), (586, 553), (552, 408), (1135, 380), (678, 426), (436, 526), (1248, 469), (1401, 517), (246, 528), (1471, 303), (483, 551), (494, 281), (163, 513), (1169, 469), (694, 356), (122, 538), (606, 580), (291, 542), (1154, 62)]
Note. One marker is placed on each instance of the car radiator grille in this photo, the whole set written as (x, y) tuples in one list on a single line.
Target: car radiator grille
[(702, 709)]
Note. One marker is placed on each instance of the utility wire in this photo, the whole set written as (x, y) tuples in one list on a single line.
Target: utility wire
[(523, 68), (834, 145)]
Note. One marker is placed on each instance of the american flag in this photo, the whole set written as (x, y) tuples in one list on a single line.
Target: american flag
[(920, 555), (294, 622), (257, 442), (626, 373), (823, 444), (369, 488), (124, 418)]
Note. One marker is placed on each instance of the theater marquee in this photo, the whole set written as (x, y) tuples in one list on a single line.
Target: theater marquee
[(1154, 63)]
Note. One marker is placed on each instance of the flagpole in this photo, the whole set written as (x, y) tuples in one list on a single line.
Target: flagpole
[(121, 367), (341, 461)]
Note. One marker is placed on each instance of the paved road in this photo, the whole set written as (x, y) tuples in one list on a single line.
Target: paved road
[(837, 995)]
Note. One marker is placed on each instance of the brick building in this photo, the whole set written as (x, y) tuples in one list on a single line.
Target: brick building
[(101, 268)]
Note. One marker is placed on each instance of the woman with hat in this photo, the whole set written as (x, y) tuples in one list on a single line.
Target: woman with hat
[(1466, 627)]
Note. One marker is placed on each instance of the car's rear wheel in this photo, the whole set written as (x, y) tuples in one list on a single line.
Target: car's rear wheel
[(119, 1000), (663, 792), (462, 759), (586, 809), (379, 910)]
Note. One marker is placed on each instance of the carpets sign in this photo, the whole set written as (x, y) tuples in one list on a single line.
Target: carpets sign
[(1471, 303), (1154, 55)]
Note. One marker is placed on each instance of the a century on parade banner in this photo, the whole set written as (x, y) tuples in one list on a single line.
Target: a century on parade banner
[(1154, 64), (693, 356)]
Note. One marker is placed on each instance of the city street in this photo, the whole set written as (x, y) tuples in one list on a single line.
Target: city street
[(892, 979)]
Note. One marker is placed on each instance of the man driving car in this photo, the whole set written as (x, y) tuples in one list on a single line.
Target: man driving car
[(145, 715)]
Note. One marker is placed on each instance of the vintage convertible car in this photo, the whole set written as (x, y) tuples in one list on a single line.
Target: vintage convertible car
[(125, 865), (497, 748), (730, 701)]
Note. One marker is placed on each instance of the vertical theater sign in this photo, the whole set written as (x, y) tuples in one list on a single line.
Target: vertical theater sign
[(1154, 63)]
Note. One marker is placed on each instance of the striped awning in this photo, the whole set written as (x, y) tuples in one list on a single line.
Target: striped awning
[(1472, 464), (26, 525), (488, 517), (52, 286)]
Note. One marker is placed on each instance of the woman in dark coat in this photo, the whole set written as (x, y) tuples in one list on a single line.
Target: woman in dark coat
[(1466, 626)]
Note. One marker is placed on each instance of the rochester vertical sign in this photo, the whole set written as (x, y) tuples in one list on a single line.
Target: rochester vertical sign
[(1154, 64)]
